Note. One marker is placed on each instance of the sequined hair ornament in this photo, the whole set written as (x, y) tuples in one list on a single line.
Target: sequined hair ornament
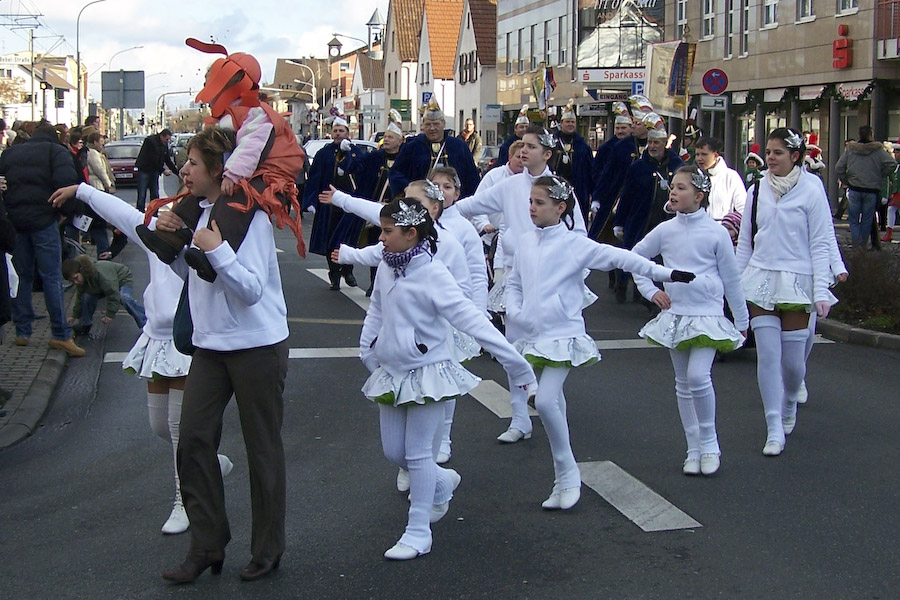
[(547, 139), (408, 215), (793, 140), (433, 191), (560, 190), (700, 180)]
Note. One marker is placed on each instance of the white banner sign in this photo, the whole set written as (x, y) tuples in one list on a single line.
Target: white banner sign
[(617, 75)]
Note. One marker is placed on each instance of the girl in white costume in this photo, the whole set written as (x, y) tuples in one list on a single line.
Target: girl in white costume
[(511, 197), (784, 258), (405, 343), (154, 356), (692, 324), (545, 301)]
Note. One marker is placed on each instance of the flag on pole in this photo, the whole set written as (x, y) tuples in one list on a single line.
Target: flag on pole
[(543, 86)]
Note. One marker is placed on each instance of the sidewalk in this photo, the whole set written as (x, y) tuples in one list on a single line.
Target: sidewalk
[(30, 373)]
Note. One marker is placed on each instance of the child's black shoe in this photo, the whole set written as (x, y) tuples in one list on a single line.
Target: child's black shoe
[(166, 245), (196, 259)]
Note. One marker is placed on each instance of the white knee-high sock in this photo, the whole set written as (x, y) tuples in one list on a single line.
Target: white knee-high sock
[(422, 423), (767, 329), (704, 397), (158, 410), (518, 399), (686, 410), (793, 367), (449, 409), (550, 403), (174, 420), (892, 213)]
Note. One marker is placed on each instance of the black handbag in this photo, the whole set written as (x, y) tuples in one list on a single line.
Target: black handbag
[(183, 325)]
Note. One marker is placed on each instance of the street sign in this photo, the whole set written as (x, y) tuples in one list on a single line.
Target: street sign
[(403, 107), (492, 113), (637, 87), (714, 103), (371, 108), (593, 109), (426, 97), (715, 81), (122, 89)]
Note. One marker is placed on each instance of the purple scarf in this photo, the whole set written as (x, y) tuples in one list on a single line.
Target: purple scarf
[(398, 261)]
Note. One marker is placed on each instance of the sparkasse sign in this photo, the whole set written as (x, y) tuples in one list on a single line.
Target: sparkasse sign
[(623, 75)]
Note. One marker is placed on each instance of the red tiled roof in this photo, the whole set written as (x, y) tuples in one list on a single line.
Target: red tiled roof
[(407, 17), (443, 18), (484, 22), (371, 71)]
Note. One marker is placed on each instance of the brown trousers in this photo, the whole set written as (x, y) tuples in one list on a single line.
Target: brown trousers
[(256, 378)]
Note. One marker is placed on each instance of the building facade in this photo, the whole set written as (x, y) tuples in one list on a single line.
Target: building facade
[(476, 68)]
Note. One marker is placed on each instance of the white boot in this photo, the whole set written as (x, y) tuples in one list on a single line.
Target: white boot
[(225, 464), (178, 521)]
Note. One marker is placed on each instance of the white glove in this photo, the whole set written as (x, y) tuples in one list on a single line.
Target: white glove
[(619, 232), (595, 205), (884, 201), (346, 146), (311, 210)]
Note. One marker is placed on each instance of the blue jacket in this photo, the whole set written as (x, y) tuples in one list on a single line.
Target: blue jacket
[(503, 156), (600, 160), (332, 226), (642, 193), (414, 162), (609, 184), (374, 171), (580, 173)]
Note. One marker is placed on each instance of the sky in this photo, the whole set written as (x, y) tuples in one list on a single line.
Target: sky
[(267, 29)]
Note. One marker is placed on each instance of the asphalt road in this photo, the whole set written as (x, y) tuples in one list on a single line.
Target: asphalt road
[(82, 500)]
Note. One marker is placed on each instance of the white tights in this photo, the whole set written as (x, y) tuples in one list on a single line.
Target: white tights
[(408, 434), (551, 405), (165, 418), (780, 369), (696, 399), (892, 213)]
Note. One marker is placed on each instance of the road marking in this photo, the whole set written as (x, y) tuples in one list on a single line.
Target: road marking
[(357, 322), (356, 294), (495, 398), (641, 505), (324, 352)]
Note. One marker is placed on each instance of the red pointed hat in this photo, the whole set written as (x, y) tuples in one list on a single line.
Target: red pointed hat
[(228, 79)]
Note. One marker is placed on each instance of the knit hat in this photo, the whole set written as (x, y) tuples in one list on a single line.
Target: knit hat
[(732, 221)]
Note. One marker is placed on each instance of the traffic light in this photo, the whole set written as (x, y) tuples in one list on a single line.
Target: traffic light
[(142, 119), (46, 86)]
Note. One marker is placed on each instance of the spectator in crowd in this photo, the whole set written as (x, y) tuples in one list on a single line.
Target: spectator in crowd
[(519, 128), (472, 139), (728, 193), (34, 169), (153, 160), (862, 168), (95, 280)]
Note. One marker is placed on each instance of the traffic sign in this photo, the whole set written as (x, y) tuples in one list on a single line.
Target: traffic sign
[(426, 97), (715, 81), (637, 87)]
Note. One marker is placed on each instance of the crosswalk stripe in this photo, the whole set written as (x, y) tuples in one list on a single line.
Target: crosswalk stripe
[(641, 505), (358, 295), (495, 398)]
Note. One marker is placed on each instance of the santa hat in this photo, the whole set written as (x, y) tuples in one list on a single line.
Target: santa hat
[(522, 119), (813, 163), (813, 150), (394, 120), (813, 139), (754, 154), (656, 127), (569, 111)]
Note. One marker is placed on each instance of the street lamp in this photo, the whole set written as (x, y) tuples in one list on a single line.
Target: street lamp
[(78, 56), (109, 64), (311, 74)]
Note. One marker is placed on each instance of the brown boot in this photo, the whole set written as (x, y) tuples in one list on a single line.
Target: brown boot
[(68, 346), (888, 235)]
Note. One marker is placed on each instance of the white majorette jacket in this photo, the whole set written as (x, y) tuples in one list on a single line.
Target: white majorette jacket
[(465, 233), (728, 192), (550, 264), (415, 330), (244, 307), (511, 197), (793, 233), (450, 251), (161, 298), (695, 242)]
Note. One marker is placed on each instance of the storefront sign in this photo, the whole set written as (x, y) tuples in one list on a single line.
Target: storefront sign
[(852, 90), (593, 109), (616, 75), (773, 95), (607, 96), (810, 92), (714, 103), (739, 97)]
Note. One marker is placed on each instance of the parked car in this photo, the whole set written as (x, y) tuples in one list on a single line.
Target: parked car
[(488, 158), (313, 146), (122, 156)]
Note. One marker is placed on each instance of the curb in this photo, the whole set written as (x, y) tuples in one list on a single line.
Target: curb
[(26, 417), (841, 332)]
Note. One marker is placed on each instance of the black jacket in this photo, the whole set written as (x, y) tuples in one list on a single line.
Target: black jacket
[(34, 170), (7, 245), (154, 156)]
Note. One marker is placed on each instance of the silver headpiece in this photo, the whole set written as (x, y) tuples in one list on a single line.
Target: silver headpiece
[(700, 180), (794, 140), (560, 190), (547, 139), (433, 191), (409, 216)]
